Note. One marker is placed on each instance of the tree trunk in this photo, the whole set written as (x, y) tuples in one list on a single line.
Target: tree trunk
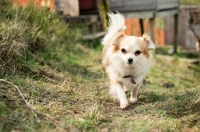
[(103, 8)]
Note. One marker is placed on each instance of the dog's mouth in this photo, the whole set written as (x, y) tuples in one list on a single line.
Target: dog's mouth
[(129, 64)]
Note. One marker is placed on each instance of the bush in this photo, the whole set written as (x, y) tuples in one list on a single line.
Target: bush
[(24, 32), (12, 44)]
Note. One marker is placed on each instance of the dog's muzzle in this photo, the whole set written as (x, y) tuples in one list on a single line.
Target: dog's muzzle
[(130, 61)]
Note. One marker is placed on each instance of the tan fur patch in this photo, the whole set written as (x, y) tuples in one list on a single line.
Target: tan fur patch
[(145, 52), (115, 48), (115, 82), (143, 48), (146, 37)]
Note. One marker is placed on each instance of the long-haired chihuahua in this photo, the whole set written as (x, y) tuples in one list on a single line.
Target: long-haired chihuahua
[(126, 59)]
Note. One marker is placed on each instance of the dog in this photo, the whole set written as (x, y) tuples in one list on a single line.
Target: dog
[(126, 59)]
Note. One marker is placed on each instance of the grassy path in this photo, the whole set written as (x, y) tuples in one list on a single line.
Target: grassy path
[(70, 93), (50, 81)]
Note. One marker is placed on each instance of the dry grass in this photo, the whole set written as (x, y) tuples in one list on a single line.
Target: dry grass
[(12, 44), (24, 33), (62, 86), (78, 101)]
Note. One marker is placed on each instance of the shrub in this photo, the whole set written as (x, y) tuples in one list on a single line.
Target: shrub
[(24, 32)]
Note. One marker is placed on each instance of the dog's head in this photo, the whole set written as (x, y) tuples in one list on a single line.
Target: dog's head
[(132, 49)]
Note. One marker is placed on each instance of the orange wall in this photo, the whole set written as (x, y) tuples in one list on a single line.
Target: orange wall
[(40, 3), (133, 28)]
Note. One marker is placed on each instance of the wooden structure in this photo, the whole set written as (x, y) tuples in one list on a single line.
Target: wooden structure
[(186, 38), (143, 5), (86, 11), (67, 7), (147, 9), (142, 9)]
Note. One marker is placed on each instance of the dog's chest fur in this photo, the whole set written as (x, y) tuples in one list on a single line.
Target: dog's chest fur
[(137, 74), (118, 69)]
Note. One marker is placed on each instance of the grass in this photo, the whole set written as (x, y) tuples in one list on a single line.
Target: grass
[(75, 98), (61, 86), (189, 2)]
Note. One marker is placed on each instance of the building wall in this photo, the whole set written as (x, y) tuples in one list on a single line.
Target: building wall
[(39, 3), (67, 7), (133, 28), (186, 38)]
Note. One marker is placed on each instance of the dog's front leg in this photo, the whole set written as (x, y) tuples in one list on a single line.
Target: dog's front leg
[(134, 93), (117, 91)]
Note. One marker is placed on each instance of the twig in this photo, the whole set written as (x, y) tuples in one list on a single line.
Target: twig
[(158, 102), (20, 93), (194, 32), (28, 105), (197, 101)]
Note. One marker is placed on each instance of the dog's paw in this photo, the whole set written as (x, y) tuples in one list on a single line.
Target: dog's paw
[(133, 100), (124, 106)]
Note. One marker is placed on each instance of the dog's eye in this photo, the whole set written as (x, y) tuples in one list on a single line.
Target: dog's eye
[(123, 50), (137, 52)]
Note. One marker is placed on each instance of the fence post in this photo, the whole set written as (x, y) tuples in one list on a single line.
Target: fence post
[(152, 26), (141, 26), (175, 33)]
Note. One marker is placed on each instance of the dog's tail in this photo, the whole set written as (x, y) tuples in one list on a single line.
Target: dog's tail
[(116, 25)]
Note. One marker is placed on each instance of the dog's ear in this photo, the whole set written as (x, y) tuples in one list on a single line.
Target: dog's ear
[(118, 37), (150, 44)]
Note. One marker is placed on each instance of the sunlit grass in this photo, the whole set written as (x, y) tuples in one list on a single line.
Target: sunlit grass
[(190, 2), (63, 87)]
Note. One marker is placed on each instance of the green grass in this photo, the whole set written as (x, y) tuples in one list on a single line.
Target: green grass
[(190, 2), (74, 96), (61, 86)]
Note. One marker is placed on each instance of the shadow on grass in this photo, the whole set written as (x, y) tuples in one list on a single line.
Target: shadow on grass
[(15, 114), (175, 106), (181, 105), (151, 97), (72, 59)]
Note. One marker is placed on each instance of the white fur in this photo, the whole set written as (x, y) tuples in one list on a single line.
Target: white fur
[(116, 24), (116, 63)]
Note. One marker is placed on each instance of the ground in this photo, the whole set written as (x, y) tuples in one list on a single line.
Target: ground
[(51, 80), (73, 96)]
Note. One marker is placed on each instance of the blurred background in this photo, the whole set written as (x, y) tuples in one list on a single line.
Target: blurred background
[(173, 24)]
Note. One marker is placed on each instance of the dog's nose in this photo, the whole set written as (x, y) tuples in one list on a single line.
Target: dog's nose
[(130, 60)]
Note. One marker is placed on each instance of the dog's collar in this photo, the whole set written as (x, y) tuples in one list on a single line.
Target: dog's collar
[(127, 76), (132, 78)]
